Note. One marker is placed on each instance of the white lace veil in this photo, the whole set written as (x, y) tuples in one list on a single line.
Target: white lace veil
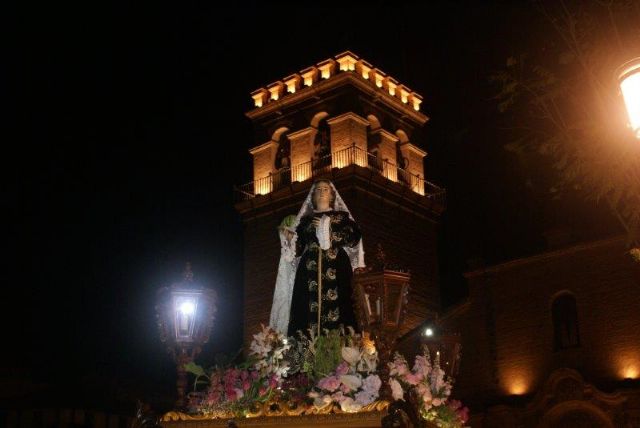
[(288, 265)]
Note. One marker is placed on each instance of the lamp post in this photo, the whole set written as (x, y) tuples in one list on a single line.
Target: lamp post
[(629, 80), (381, 305), (185, 313)]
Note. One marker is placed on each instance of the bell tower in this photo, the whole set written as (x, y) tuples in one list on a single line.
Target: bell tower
[(345, 120)]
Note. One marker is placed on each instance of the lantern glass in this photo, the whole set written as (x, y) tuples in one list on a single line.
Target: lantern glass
[(629, 78), (393, 301), (185, 308)]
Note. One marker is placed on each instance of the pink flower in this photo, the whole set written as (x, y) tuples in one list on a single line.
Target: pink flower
[(342, 369), (463, 414), (414, 378), (329, 383), (338, 397), (398, 368), (246, 385), (231, 394), (422, 365), (273, 382)]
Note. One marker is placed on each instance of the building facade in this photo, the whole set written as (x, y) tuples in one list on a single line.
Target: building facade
[(552, 340), (345, 120)]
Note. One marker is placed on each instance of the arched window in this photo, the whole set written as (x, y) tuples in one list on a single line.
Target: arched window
[(282, 163), (565, 322), (321, 156)]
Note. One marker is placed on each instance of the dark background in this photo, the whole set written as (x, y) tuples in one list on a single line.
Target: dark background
[(129, 133)]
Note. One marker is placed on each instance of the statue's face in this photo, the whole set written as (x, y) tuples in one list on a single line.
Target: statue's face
[(322, 195)]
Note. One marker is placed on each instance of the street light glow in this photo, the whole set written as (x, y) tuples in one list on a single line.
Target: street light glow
[(187, 308), (428, 332), (629, 78)]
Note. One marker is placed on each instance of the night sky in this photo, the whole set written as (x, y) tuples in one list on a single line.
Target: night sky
[(128, 133)]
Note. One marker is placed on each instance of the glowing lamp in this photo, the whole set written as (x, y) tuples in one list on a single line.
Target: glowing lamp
[(275, 89), (347, 61), (364, 68), (309, 75), (629, 80), (378, 77), (428, 332), (185, 313), (292, 83), (517, 386), (392, 84), (416, 100), (259, 97), (404, 94), (326, 68)]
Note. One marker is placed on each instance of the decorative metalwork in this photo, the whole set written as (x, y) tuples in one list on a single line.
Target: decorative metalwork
[(274, 408), (185, 312), (381, 305)]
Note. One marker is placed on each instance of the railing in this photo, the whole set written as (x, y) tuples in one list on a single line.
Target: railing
[(352, 155)]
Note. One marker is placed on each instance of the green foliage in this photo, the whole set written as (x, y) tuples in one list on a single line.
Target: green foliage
[(328, 354), (201, 376), (192, 367)]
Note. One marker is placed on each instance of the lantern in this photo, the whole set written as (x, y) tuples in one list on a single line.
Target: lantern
[(185, 313), (629, 80), (382, 299)]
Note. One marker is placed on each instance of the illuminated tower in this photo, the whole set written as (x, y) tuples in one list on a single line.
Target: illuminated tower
[(345, 120)]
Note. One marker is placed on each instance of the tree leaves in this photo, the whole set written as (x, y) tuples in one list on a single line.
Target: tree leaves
[(562, 104)]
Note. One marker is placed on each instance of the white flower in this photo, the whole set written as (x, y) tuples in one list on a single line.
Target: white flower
[(352, 381), (368, 363), (350, 406), (396, 390), (322, 401), (351, 355)]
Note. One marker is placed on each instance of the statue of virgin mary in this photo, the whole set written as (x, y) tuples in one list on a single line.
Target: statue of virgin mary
[(320, 248)]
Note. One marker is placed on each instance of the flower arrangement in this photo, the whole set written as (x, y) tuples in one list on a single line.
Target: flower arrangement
[(353, 384), (234, 389), (425, 383), (335, 371)]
